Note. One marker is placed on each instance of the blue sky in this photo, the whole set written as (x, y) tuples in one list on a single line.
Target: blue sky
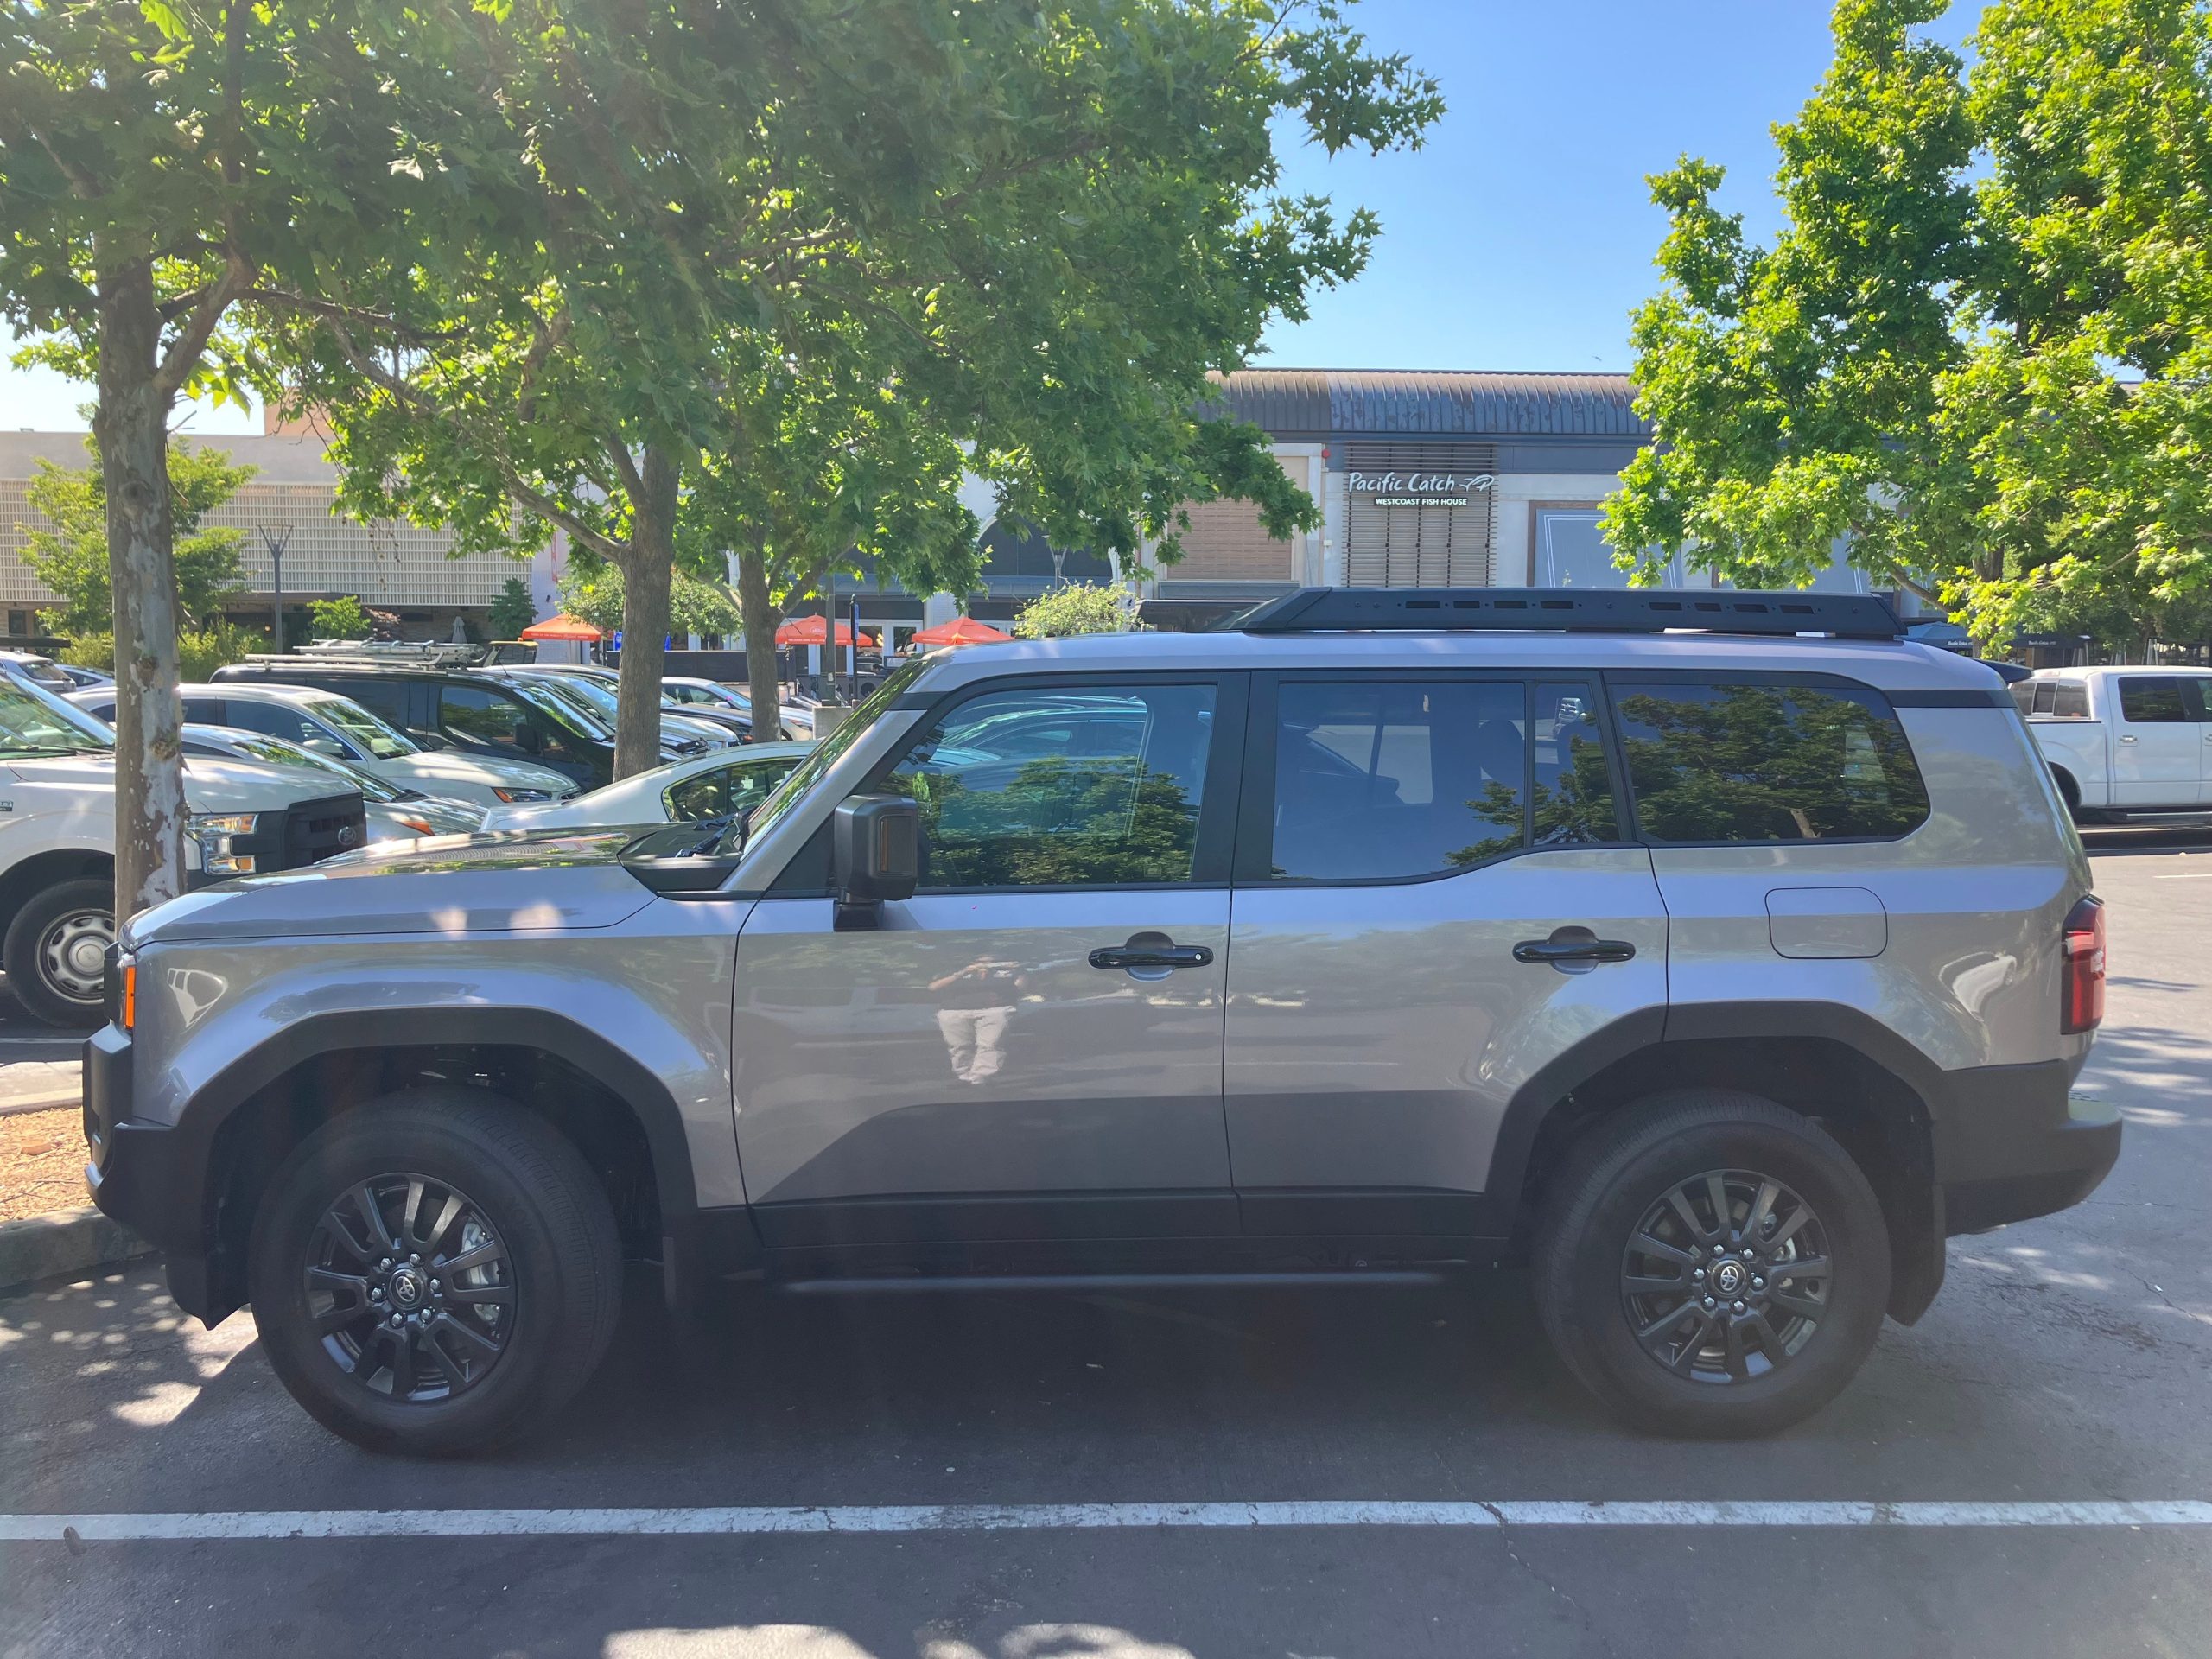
[(1521, 235)]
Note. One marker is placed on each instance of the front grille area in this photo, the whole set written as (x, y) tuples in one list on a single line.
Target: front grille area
[(317, 830)]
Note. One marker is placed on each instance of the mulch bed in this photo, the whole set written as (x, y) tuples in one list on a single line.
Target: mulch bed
[(42, 1162)]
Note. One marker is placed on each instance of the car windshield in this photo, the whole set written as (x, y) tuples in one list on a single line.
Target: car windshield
[(43, 670), (824, 755), (351, 721), (275, 752), (32, 721), (573, 714)]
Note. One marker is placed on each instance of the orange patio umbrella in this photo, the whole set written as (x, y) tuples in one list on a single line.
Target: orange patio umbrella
[(814, 630), (563, 627), (961, 631)]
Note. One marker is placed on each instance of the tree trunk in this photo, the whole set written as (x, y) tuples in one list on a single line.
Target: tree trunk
[(760, 618), (131, 424), (646, 575)]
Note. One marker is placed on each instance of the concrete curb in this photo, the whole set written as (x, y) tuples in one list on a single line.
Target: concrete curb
[(67, 1241), (42, 1102)]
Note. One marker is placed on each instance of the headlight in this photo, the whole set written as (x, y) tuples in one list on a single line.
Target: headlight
[(213, 830), (518, 796)]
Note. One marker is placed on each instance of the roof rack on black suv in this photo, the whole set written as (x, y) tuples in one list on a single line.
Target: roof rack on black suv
[(1569, 610)]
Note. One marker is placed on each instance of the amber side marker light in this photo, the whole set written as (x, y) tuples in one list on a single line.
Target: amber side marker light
[(127, 1012)]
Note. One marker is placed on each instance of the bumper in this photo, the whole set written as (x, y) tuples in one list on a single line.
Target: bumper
[(136, 1174), (2013, 1141)]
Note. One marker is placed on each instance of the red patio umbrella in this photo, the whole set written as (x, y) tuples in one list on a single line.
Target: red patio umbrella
[(814, 630), (961, 631), (563, 627)]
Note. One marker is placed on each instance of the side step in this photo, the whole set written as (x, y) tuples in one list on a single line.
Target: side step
[(928, 1283)]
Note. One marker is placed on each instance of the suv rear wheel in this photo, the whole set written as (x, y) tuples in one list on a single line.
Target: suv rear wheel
[(1712, 1264), (56, 951), (436, 1272)]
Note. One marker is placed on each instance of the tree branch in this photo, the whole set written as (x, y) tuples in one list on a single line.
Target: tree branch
[(308, 305), (186, 350)]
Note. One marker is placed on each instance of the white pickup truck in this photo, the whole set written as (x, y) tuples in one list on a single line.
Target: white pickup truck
[(57, 840), (2123, 739)]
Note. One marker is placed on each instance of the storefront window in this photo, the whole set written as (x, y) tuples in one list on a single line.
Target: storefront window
[(1572, 552)]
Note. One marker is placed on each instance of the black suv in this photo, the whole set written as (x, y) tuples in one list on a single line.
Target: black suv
[(445, 709)]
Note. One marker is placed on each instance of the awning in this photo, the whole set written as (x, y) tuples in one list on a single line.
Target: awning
[(961, 631), (563, 627), (814, 630)]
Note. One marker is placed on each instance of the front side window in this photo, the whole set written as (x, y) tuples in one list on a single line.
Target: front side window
[(725, 792), (357, 726), (1397, 780), (271, 720), (2154, 700), (1061, 788), (1766, 761)]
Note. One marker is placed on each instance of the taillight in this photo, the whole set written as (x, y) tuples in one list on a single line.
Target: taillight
[(2082, 997)]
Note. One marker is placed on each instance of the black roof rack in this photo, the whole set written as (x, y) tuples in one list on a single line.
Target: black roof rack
[(1569, 610)]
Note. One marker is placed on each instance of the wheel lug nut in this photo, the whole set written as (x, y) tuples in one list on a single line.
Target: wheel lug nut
[(397, 1321), (1739, 1308), (1697, 1273), (1709, 1304), (415, 1260), (433, 1284), (1759, 1284)]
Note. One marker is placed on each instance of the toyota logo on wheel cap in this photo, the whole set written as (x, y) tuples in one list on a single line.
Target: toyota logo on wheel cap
[(1728, 1278)]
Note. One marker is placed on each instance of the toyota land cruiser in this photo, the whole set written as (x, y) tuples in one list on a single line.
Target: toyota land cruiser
[(1720, 957)]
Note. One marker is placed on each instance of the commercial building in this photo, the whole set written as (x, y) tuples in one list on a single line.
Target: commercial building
[(285, 511)]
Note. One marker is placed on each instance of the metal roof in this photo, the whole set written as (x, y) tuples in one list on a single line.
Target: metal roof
[(1473, 402)]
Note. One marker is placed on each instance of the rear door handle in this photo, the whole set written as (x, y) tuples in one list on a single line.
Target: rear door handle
[(1557, 950)]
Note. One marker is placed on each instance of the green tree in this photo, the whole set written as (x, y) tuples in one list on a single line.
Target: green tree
[(514, 610), (342, 618), (1042, 226), (695, 604), (1977, 347), (160, 166), (1078, 607), (71, 558)]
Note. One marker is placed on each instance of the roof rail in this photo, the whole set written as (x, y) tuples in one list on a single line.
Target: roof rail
[(1569, 610), (384, 653)]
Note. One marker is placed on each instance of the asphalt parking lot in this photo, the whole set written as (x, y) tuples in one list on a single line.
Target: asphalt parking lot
[(783, 1479)]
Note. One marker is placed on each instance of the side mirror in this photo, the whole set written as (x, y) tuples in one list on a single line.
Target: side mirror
[(875, 852)]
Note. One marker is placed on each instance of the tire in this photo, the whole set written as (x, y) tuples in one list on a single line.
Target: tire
[(45, 950), (1614, 1188), (532, 1215)]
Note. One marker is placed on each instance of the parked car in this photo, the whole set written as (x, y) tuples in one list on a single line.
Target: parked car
[(84, 678), (394, 813), (35, 669), (57, 840), (341, 728), (2123, 739), (594, 699), (1720, 974), (718, 786), (709, 697), (458, 710)]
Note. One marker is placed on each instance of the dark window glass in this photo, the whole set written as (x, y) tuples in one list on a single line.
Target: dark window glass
[(2024, 695), (204, 711), (724, 792), (274, 719), (1774, 762), (1045, 788), (2070, 701), (478, 718), (387, 699), (2152, 700), (2046, 697), (1573, 799), (1397, 779)]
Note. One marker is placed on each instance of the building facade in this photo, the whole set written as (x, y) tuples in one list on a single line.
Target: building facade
[(286, 512)]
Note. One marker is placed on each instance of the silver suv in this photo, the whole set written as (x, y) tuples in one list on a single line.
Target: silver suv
[(1720, 973)]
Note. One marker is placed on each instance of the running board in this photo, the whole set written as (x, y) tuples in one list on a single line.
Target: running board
[(912, 1284)]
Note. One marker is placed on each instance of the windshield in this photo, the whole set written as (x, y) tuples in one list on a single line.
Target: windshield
[(32, 721), (275, 752), (351, 720), (824, 755), (573, 715)]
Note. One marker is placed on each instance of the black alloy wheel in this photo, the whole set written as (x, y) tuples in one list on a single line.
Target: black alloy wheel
[(410, 1288), (1726, 1277)]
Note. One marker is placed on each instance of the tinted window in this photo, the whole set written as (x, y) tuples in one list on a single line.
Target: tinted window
[(2046, 697), (1771, 762), (274, 718), (725, 791), (480, 719), (1375, 781), (1113, 800), (1573, 801), (2152, 700), (387, 699), (2070, 701), (199, 711)]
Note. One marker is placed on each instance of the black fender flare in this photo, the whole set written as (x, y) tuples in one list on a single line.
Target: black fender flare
[(375, 1029)]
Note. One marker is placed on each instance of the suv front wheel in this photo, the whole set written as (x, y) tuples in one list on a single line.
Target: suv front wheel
[(436, 1272), (1712, 1264)]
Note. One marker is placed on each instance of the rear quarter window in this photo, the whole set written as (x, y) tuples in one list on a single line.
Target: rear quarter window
[(1766, 761)]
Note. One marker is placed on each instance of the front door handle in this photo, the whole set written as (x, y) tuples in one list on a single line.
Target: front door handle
[(1586, 948), (1134, 955), (2127, 737)]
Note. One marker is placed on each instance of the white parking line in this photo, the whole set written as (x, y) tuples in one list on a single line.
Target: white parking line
[(261, 1524)]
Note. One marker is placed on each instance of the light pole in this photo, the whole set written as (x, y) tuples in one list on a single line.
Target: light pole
[(273, 541)]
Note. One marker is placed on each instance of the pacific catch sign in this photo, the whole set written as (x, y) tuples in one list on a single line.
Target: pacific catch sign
[(1421, 489)]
